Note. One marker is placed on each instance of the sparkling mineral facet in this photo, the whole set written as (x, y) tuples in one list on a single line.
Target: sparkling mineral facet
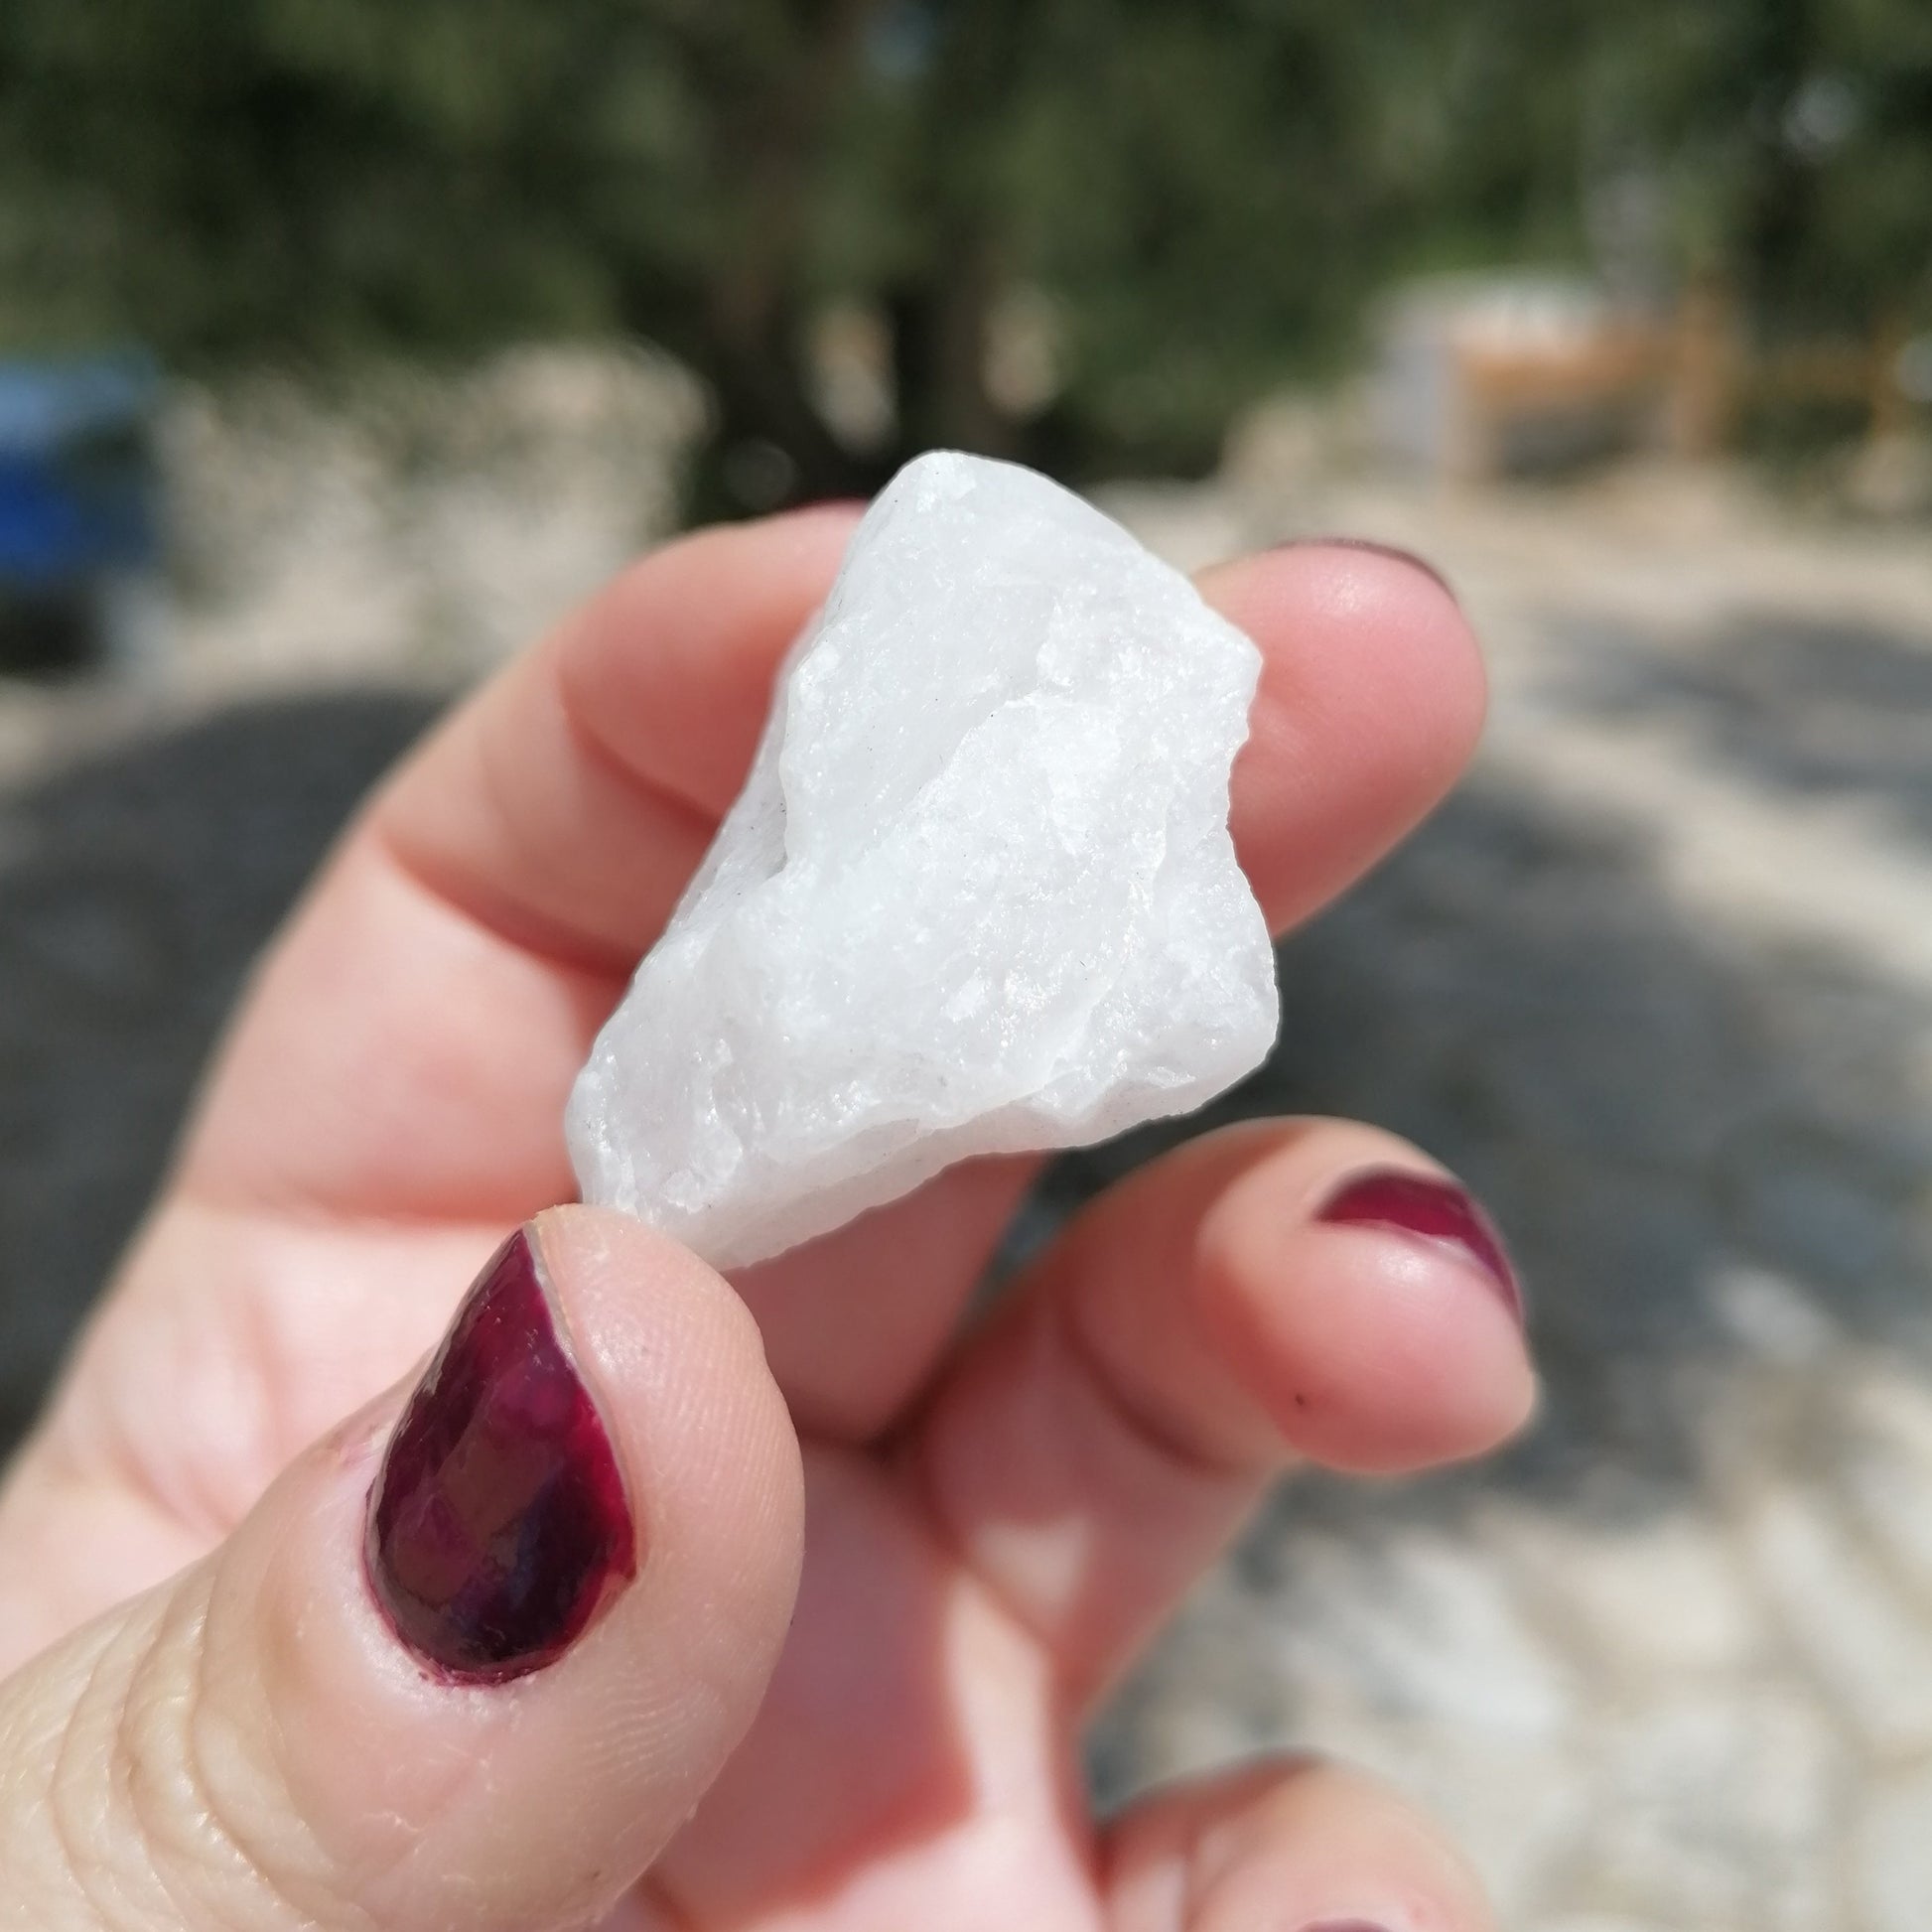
[(977, 894)]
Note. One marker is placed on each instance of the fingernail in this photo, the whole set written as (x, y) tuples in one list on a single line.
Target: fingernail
[(1343, 1925), (1392, 551), (1426, 1208), (498, 1525)]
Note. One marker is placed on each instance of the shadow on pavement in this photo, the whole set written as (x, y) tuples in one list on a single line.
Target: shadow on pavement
[(1820, 706), (136, 887)]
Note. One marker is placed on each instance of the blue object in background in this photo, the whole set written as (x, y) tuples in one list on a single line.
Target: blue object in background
[(77, 485), (79, 509)]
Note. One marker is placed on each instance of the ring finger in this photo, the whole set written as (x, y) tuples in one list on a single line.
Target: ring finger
[(1311, 1290)]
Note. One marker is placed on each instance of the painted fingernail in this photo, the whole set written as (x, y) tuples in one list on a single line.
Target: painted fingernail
[(498, 1525), (1394, 552), (1426, 1208)]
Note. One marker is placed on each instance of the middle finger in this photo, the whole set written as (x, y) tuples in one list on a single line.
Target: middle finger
[(1370, 700)]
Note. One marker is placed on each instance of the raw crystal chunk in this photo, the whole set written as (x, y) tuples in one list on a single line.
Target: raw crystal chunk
[(977, 894)]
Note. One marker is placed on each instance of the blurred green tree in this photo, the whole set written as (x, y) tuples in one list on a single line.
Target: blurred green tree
[(1202, 197), (1796, 140)]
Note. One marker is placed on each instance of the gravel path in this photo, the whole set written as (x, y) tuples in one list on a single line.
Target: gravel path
[(1657, 981)]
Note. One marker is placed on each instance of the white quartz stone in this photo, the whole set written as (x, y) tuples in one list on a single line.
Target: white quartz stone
[(977, 894)]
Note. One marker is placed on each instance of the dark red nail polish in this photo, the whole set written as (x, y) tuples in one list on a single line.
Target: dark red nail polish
[(1393, 551), (1427, 1209), (499, 1525)]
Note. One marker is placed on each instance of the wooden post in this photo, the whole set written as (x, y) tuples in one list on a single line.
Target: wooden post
[(1469, 451), (1705, 372), (1892, 408)]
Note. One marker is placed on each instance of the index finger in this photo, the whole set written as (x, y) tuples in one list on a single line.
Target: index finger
[(410, 1040), (569, 802)]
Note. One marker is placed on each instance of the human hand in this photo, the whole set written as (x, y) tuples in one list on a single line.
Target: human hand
[(213, 1719)]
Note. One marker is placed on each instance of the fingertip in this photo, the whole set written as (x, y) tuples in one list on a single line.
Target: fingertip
[(513, 1622), (671, 664), (831, 518), (1370, 704), (1375, 1348), (1397, 608), (698, 1422)]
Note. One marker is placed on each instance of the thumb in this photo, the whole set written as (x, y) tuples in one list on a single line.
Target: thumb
[(470, 1661)]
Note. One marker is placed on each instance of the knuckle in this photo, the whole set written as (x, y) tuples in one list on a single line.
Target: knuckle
[(162, 1811)]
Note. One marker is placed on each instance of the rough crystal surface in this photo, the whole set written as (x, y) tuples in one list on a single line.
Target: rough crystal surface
[(977, 894)]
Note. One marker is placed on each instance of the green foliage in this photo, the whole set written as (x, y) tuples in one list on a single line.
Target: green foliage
[(1210, 193), (1797, 136)]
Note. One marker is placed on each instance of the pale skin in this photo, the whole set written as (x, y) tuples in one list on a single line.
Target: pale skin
[(890, 1557)]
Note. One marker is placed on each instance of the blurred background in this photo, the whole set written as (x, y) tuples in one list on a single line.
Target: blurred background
[(344, 342)]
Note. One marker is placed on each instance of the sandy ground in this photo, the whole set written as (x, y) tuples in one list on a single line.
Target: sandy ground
[(1657, 981)]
